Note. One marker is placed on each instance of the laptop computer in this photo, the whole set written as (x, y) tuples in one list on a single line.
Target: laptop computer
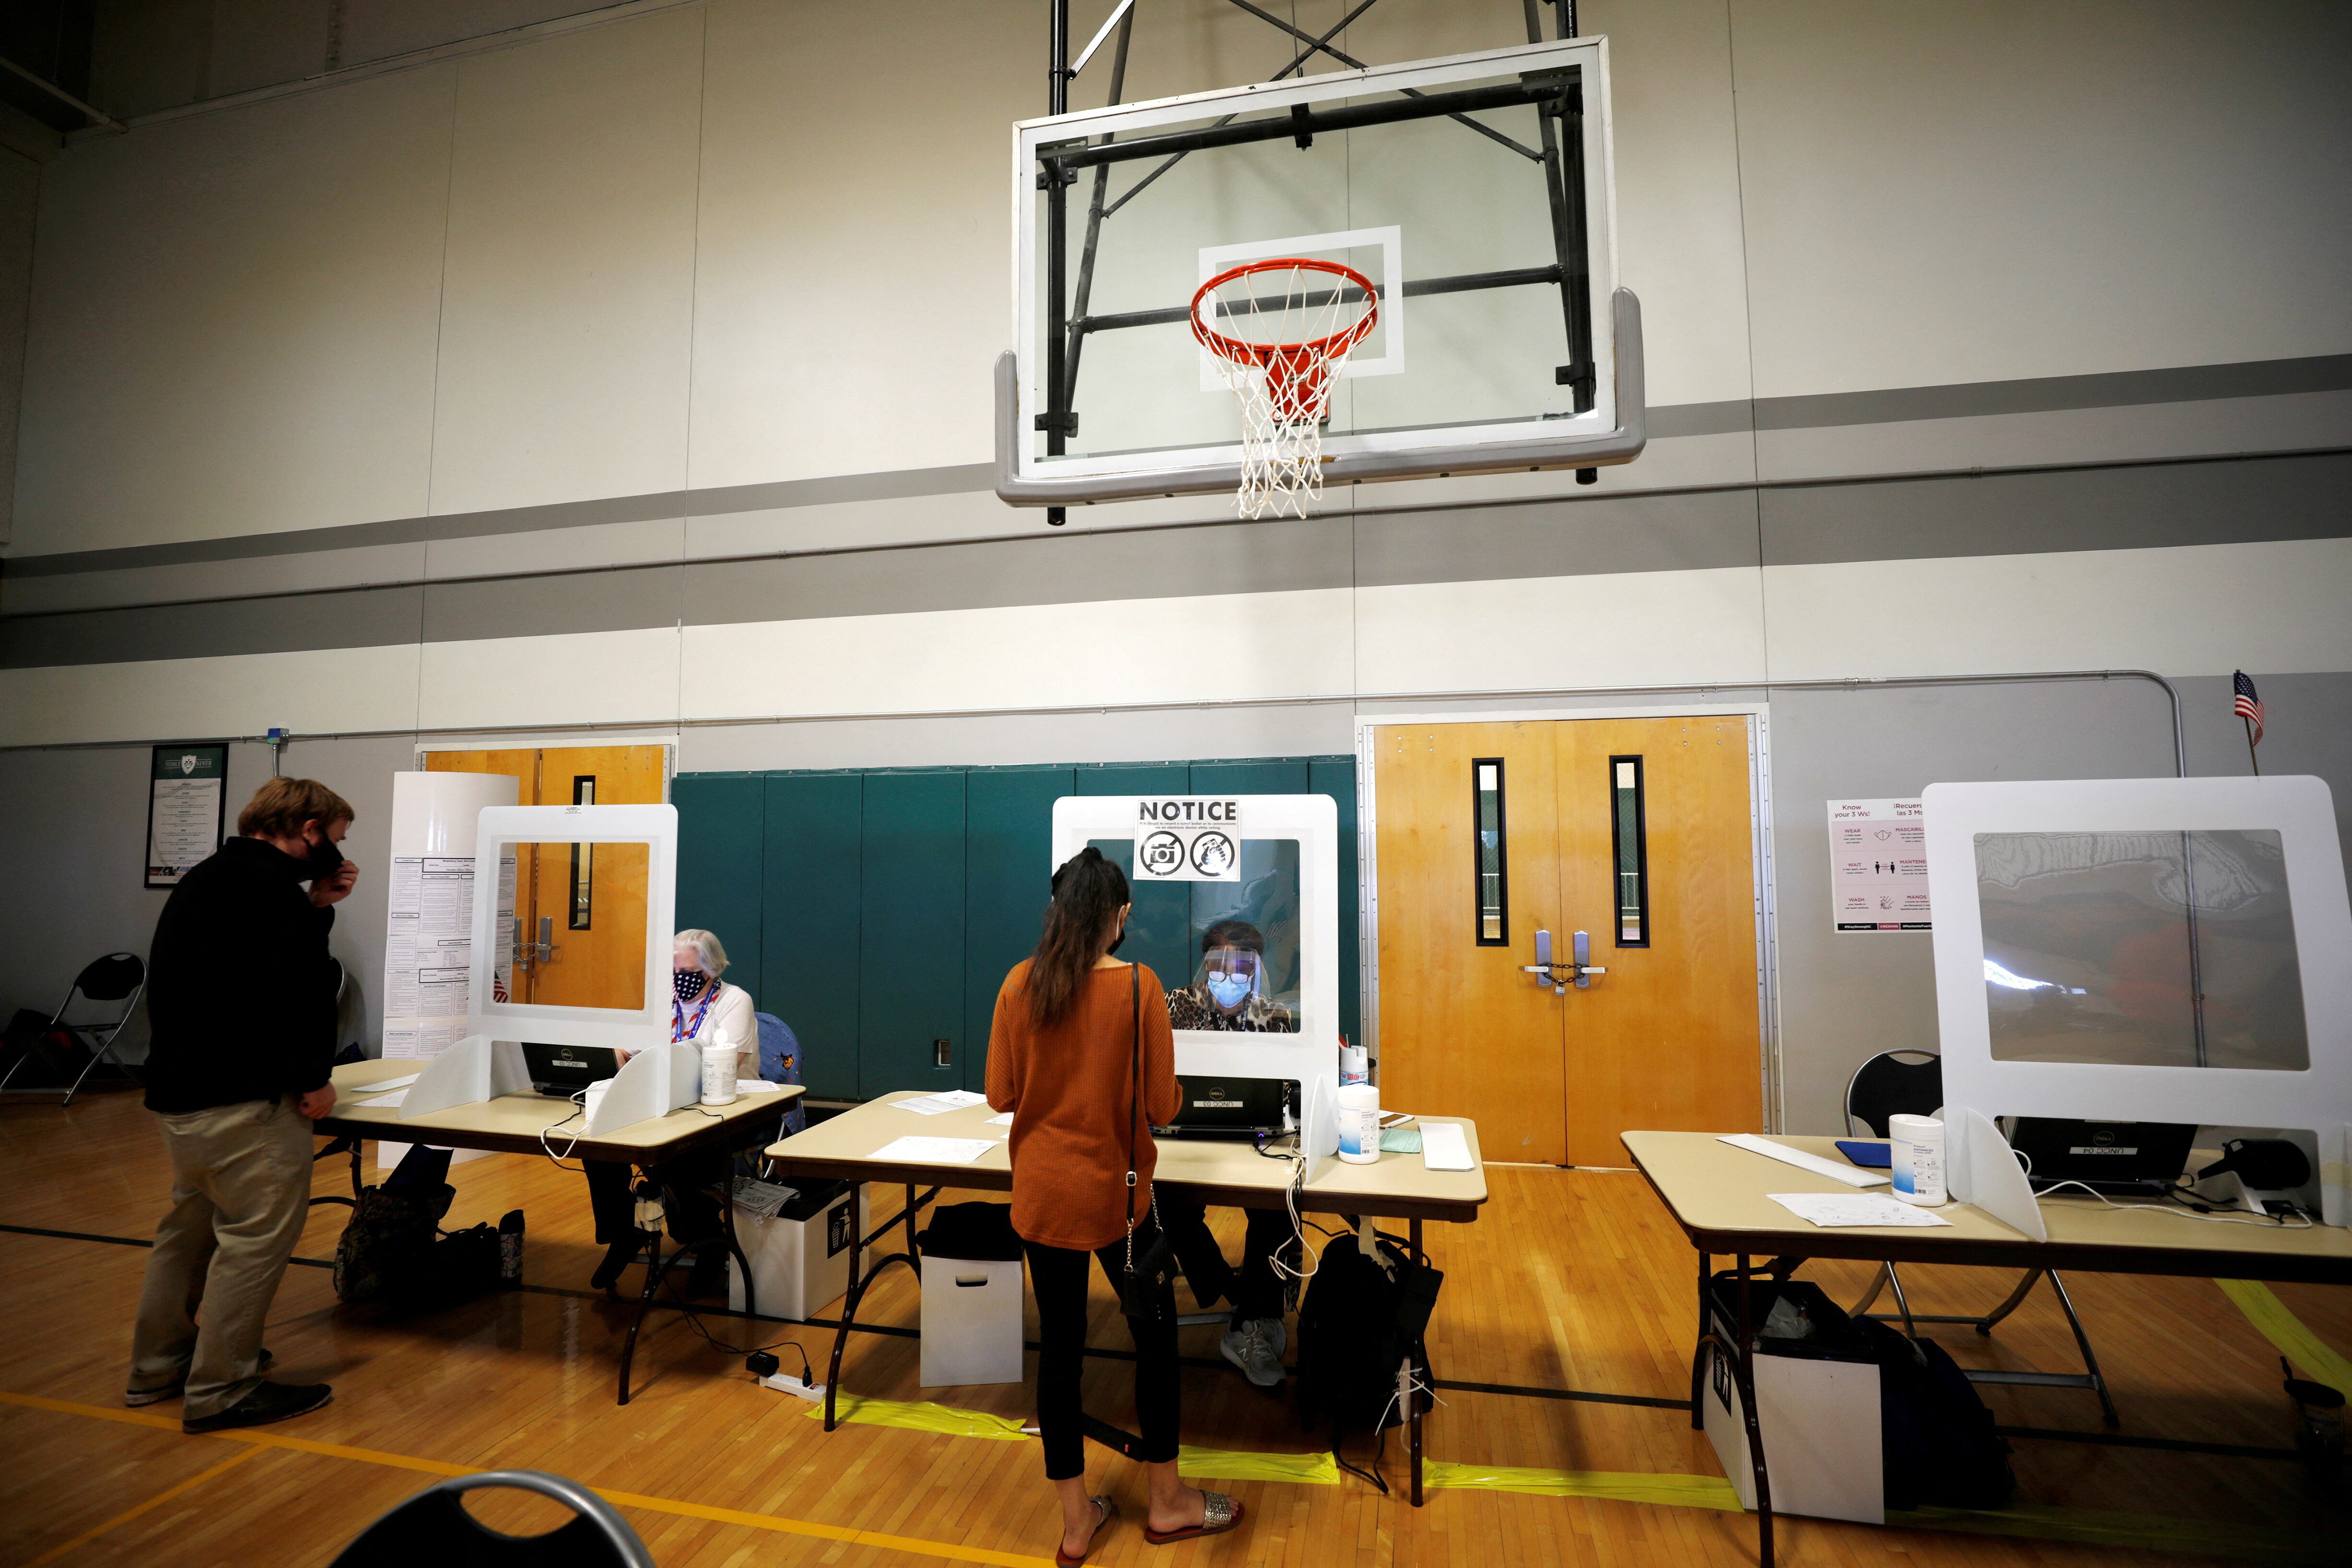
[(1239, 1109), (2128, 1157), (563, 1071)]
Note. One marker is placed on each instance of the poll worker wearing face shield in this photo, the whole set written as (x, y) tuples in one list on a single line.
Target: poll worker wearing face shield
[(241, 1000), (1229, 990), (704, 1010), (1080, 1053), (1230, 993)]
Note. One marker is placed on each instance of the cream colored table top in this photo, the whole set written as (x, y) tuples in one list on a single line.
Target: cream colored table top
[(1719, 1194), (512, 1123), (1394, 1185)]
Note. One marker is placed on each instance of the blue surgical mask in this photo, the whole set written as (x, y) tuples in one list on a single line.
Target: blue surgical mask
[(1230, 990)]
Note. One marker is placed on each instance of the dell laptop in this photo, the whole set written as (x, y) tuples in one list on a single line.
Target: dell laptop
[(1241, 1108), (2131, 1157), (564, 1070)]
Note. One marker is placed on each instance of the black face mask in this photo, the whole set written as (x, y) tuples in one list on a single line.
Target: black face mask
[(325, 858), (1116, 943)]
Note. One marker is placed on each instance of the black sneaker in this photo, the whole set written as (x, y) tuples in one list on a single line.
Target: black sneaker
[(135, 1397), (268, 1402)]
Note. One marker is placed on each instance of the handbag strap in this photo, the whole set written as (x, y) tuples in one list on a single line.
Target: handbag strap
[(1135, 1106)]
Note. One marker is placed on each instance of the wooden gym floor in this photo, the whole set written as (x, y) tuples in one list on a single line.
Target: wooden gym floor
[(1573, 1280)]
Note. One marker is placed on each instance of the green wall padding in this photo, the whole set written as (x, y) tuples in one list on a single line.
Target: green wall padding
[(878, 912), (719, 865), (812, 898), (912, 945)]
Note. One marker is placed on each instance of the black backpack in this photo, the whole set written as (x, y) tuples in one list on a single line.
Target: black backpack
[(1934, 1434), (1357, 1327), (389, 1241)]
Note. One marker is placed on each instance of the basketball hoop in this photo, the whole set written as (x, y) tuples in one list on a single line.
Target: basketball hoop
[(1284, 388)]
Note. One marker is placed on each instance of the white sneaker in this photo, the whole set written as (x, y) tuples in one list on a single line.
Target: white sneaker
[(1256, 1348)]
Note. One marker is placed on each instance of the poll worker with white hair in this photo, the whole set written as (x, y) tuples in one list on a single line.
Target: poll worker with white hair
[(704, 1011)]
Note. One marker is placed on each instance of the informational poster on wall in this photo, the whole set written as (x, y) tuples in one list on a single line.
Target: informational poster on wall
[(1187, 839), (187, 789), (1878, 865), (430, 951)]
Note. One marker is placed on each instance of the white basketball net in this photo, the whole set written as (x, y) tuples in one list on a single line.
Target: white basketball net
[(1279, 332)]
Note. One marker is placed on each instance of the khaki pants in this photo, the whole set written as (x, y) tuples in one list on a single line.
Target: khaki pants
[(240, 1192)]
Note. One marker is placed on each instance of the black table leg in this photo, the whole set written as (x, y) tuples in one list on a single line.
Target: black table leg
[(1743, 1363), (1698, 1357), (859, 1280), (1413, 1401), (653, 1269)]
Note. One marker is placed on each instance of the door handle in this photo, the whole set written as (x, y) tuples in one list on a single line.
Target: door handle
[(530, 955), (1560, 976)]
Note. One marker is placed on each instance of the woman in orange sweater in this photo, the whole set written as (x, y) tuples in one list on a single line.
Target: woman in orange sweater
[(1086, 1069)]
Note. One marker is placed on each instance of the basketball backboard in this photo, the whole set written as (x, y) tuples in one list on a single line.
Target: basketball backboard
[(1474, 193)]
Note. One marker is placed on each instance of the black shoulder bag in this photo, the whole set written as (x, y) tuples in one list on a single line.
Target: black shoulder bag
[(1147, 1291)]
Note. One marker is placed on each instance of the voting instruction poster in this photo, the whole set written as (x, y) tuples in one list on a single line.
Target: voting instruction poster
[(185, 804)]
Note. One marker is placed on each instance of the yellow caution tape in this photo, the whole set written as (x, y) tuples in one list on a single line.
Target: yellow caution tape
[(2251, 1542), (1228, 1465), (1617, 1486), (922, 1416), (2290, 1333)]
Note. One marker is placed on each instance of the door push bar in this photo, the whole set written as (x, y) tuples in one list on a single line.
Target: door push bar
[(1560, 976)]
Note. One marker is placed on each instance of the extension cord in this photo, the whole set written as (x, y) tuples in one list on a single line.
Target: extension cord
[(782, 1384)]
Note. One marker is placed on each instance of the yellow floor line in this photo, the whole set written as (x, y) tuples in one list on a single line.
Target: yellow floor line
[(1616, 1485), (921, 1416), (260, 1439), (128, 1514), (2290, 1333)]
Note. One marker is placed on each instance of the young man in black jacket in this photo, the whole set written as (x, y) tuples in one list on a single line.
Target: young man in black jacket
[(241, 1001)]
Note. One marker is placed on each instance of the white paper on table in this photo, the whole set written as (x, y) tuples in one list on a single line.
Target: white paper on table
[(755, 1086), (935, 1151), (392, 1098), (1004, 1120), (1855, 1208), (946, 1099), (1444, 1147), (391, 1083), (1852, 1175)]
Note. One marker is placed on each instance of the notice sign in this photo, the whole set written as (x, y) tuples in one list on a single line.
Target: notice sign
[(184, 799), (1878, 864), (1187, 839)]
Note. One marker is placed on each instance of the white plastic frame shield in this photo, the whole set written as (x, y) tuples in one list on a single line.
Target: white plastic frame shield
[(1612, 431), (1312, 1055), (655, 827), (2300, 809)]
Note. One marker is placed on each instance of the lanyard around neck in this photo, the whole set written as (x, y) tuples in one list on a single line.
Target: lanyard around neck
[(679, 1028)]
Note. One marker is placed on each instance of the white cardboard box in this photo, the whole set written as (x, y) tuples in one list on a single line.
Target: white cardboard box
[(799, 1267), (971, 1323), (1819, 1420)]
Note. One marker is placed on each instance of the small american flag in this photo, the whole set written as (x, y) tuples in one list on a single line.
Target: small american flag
[(2248, 705)]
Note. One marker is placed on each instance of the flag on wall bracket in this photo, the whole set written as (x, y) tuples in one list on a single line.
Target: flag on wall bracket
[(2247, 706)]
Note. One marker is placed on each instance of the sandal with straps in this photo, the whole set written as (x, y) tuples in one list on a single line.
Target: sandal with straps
[(1219, 1513), (1109, 1511)]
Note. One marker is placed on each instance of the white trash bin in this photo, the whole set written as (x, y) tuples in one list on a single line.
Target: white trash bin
[(799, 1259), (971, 1323), (1817, 1405)]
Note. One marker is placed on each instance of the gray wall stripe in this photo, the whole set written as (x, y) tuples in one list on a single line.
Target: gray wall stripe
[(2117, 389), (2230, 501), (2031, 513), (2185, 383)]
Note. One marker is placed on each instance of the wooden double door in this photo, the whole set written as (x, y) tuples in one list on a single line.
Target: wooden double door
[(1638, 833), (580, 910)]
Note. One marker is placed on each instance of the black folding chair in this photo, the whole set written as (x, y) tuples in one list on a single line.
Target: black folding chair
[(1887, 1085), (433, 1526), (117, 977)]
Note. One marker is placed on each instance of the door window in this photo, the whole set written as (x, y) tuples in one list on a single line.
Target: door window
[(1493, 924), (1629, 844)]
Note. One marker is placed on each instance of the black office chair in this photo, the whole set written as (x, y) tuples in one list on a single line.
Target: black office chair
[(1887, 1085), (114, 978), (434, 1524)]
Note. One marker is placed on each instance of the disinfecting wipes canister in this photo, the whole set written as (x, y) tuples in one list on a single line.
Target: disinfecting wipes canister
[(1916, 1147), (718, 1065), (1360, 1123)]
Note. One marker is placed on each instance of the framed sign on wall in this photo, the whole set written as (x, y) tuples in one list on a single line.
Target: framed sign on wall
[(186, 793)]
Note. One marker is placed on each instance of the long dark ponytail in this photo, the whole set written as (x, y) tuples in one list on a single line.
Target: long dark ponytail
[(1088, 893)]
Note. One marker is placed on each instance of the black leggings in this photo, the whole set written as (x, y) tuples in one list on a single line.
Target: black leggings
[(1058, 1276)]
